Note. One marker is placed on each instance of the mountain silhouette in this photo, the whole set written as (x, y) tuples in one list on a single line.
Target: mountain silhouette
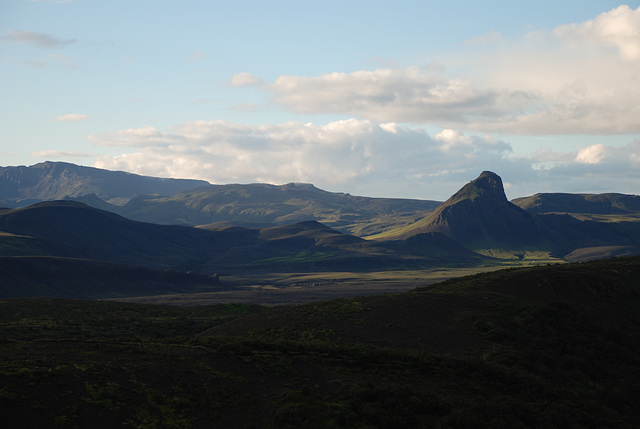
[(479, 215)]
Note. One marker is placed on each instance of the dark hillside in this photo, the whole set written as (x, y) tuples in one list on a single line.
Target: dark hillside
[(552, 347), (601, 286), (85, 232), (73, 230), (85, 279)]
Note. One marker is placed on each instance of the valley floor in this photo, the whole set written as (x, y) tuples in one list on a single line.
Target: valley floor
[(291, 288)]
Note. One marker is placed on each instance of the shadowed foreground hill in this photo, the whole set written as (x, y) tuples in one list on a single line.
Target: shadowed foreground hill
[(71, 229), (551, 347), (33, 276)]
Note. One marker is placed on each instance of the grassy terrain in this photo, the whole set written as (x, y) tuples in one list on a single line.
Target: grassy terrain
[(618, 217), (416, 278), (549, 346), (262, 205), (524, 257)]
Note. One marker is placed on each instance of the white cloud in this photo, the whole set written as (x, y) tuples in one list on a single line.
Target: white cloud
[(516, 100), (72, 117), (353, 154), (580, 78), (387, 95), (364, 157), (146, 136), (618, 28), (245, 79), (37, 39), (592, 154)]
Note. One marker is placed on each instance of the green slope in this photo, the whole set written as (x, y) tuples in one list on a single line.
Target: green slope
[(261, 205)]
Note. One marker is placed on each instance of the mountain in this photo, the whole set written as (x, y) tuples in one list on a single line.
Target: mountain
[(580, 203), (72, 229), (196, 202), (21, 186), (479, 216), (263, 205)]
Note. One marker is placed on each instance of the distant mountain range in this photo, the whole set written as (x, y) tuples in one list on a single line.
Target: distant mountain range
[(196, 202), (236, 230)]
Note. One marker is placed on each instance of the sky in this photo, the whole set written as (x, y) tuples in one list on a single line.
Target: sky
[(408, 99)]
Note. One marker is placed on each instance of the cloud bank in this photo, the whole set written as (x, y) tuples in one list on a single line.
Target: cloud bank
[(575, 79), (358, 156), (579, 78)]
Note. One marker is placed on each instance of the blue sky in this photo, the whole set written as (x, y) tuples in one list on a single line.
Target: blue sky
[(396, 99)]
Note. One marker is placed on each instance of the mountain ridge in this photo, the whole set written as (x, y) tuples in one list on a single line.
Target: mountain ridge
[(607, 203), (22, 185), (192, 202)]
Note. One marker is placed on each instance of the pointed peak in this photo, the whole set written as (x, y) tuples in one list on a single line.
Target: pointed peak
[(490, 180), (487, 185), (488, 175)]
